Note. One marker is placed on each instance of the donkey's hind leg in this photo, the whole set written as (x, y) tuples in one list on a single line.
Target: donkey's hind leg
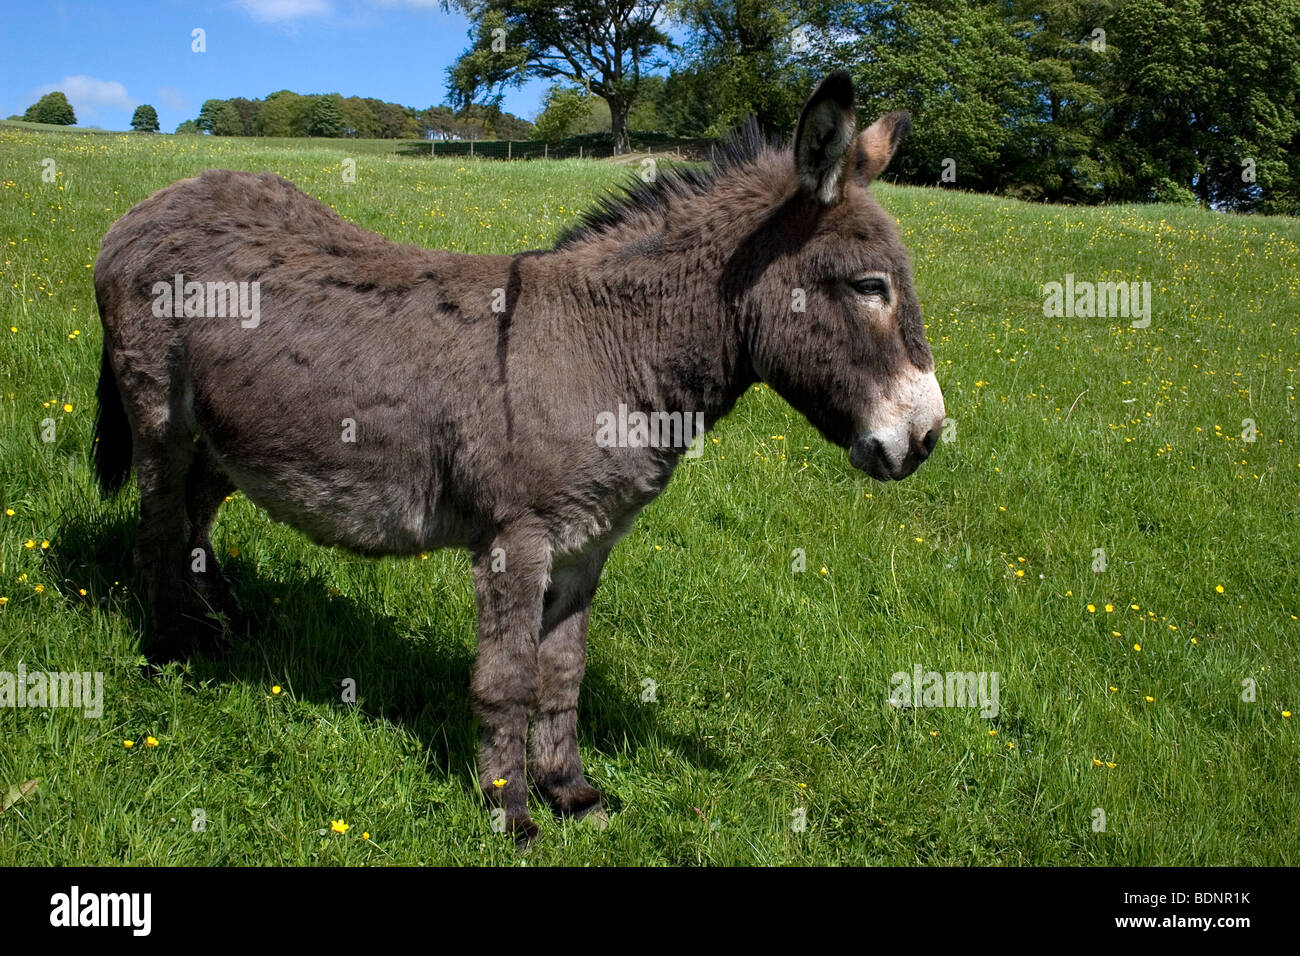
[(553, 760), (162, 463), (206, 488)]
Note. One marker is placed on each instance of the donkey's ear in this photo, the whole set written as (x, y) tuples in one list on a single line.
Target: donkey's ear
[(877, 143), (823, 138)]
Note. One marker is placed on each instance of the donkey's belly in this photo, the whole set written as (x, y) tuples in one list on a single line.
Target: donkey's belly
[(335, 508)]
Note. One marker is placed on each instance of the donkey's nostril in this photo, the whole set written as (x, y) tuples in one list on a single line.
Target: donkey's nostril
[(868, 453), (931, 439)]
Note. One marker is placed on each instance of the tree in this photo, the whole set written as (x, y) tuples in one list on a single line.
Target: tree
[(227, 121), (601, 45), (325, 116), (208, 114), (744, 57), (52, 108), (395, 121), (247, 114), (188, 128), (281, 114), (359, 119), (959, 70), (1204, 97), (564, 110), (145, 119)]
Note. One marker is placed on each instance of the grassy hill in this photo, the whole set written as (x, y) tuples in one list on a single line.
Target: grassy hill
[(1122, 690)]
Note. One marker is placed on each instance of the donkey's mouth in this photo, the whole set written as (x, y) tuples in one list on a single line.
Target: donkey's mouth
[(869, 454)]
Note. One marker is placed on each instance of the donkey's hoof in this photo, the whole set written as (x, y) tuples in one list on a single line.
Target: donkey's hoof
[(524, 831), (173, 646), (581, 801)]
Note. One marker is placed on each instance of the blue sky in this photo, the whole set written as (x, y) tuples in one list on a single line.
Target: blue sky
[(113, 55)]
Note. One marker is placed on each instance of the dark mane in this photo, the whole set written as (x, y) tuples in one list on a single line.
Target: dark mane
[(741, 147)]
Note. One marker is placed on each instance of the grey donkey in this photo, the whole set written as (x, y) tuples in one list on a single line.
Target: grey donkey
[(391, 399)]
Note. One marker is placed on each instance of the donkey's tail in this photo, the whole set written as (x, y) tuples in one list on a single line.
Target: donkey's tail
[(112, 447)]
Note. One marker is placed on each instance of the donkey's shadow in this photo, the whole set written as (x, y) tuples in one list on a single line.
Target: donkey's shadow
[(314, 640)]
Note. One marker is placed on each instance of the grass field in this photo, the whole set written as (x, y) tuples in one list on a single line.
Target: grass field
[(770, 685)]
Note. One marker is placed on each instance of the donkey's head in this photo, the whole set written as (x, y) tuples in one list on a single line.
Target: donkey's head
[(831, 318)]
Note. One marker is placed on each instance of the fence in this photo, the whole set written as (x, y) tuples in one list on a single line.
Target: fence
[(578, 147)]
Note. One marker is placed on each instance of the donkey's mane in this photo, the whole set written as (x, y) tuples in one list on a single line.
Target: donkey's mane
[(741, 147)]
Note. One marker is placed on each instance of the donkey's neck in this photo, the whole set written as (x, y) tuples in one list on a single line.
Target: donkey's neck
[(653, 285)]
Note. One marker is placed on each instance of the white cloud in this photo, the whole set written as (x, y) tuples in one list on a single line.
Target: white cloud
[(87, 94), (277, 11), (173, 98)]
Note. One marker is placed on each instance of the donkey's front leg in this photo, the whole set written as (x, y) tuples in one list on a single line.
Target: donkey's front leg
[(510, 577), (553, 761)]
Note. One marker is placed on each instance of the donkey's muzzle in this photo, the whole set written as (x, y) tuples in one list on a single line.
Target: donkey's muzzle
[(874, 456)]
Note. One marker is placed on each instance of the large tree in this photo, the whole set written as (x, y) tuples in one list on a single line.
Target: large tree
[(1205, 95), (325, 116), (220, 118), (145, 119), (743, 58), (52, 108), (957, 68), (603, 45)]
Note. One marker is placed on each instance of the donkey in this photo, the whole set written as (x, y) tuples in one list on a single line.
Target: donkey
[(391, 399)]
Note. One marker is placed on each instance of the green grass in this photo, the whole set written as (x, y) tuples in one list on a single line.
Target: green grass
[(771, 685)]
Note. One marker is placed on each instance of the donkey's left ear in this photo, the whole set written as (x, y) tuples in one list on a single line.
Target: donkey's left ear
[(824, 136), (877, 143)]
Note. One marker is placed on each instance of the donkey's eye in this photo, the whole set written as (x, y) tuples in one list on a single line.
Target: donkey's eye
[(872, 285)]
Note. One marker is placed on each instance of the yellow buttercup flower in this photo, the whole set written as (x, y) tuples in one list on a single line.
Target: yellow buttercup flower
[(151, 741), (338, 826), (500, 783)]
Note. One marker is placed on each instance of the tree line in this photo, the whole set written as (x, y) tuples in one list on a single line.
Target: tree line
[(285, 113), (1077, 101)]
